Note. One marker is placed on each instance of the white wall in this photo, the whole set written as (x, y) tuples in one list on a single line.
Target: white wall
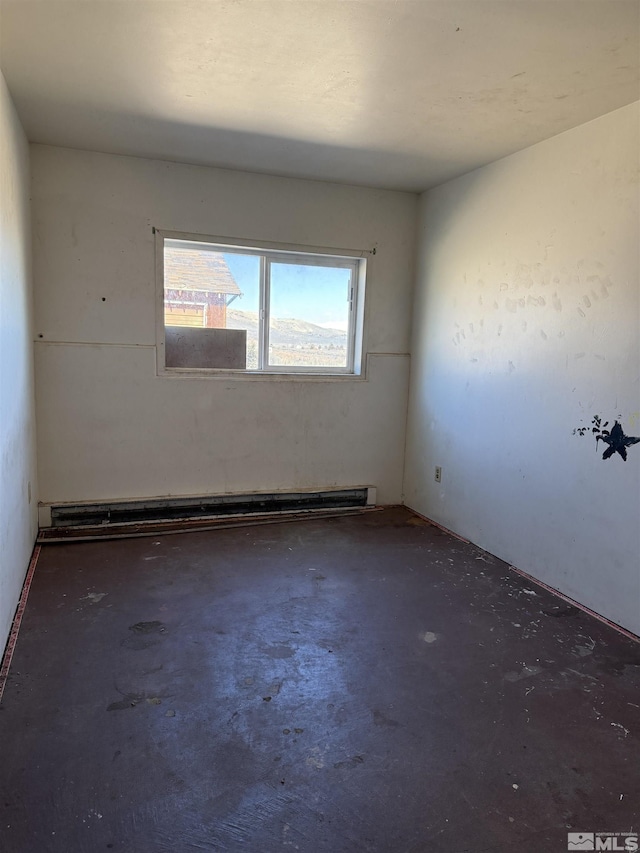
[(526, 325), (17, 420), (110, 428)]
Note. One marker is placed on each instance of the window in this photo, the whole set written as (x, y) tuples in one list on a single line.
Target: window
[(230, 307)]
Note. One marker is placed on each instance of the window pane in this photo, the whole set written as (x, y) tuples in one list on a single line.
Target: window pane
[(309, 315), (208, 289), (244, 312)]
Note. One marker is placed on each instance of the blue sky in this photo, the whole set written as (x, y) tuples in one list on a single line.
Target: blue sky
[(315, 294)]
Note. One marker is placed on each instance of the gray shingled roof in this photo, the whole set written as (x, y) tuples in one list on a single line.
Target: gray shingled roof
[(197, 269)]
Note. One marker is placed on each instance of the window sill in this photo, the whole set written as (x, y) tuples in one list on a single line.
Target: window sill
[(259, 376)]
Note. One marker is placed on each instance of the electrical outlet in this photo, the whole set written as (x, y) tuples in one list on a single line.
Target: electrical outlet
[(438, 477)]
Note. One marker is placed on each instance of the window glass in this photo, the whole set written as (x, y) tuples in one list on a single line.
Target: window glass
[(309, 315), (227, 307)]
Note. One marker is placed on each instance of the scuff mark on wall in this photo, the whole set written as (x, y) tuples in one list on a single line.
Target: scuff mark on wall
[(537, 291)]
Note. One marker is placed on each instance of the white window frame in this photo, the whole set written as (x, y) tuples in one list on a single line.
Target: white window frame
[(270, 253)]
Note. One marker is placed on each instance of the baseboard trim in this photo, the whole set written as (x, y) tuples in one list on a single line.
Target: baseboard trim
[(5, 664), (532, 579)]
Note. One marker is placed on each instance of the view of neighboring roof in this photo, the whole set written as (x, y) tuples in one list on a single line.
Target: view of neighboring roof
[(196, 268)]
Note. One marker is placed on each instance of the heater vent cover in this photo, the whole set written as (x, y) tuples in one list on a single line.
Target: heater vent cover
[(175, 509)]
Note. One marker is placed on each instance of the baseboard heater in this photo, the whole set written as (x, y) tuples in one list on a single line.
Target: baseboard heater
[(212, 506)]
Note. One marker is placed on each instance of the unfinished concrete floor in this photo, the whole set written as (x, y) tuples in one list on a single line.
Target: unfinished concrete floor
[(366, 683)]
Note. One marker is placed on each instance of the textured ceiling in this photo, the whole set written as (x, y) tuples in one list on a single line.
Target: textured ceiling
[(389, 94)]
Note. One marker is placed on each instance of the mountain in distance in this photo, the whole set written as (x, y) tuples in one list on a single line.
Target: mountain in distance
[(289, 333)]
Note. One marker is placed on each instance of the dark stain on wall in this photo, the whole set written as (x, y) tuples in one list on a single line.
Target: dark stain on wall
[(615, 438)]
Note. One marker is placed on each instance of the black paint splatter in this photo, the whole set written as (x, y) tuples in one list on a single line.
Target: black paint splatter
[(617, 441), (615, 437), (597, 427)]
